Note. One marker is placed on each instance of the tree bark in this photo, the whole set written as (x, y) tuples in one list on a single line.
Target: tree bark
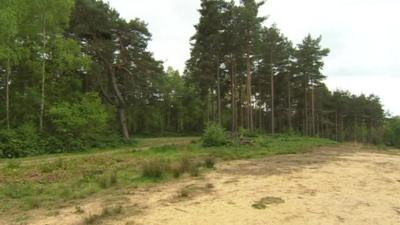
[(123, 123), (43, 80), (233, 93), (121, 102), (240, 104), (336, 126), (313, 110), (8, 93), (289, 106), (272, 98), (219, 95), (306, 106), (250, 124)]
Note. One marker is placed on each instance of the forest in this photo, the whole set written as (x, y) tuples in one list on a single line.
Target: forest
[(96, 130), (75, 75)]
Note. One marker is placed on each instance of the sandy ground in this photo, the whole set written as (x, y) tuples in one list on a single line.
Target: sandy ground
[(335, 185)]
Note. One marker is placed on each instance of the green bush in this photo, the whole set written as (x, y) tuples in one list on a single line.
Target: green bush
[(21, 142), (392, 132), (72, 127), (214, 135), (79, 125), (247, 133)]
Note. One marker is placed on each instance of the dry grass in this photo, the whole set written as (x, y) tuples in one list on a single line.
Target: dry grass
[(106, 213)]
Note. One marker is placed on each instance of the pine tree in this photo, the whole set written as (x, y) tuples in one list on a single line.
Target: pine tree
[(309, 63)]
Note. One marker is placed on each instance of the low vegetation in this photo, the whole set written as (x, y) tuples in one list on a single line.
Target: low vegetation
[(392, 132), (214, 135), (46, 182), (266, 201), (105, 213)]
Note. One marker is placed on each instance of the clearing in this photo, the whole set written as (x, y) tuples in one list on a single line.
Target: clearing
[(345, 184)]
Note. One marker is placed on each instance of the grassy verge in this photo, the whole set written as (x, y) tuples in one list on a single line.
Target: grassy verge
[(61, 181)]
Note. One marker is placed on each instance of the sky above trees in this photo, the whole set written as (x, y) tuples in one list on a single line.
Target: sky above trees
[(362, 35)]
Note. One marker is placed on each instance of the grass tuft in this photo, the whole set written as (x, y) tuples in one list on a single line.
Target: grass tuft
[(107, 180), (209, 162), (106, 212), (154, 168)]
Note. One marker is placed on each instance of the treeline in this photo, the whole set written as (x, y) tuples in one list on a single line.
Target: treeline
[(251, 76), (75, 75)]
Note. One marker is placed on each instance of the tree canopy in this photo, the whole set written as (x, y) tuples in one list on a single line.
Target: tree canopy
[(74, 74)]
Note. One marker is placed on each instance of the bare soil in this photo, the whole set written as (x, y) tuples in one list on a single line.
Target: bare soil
[(333, 185)]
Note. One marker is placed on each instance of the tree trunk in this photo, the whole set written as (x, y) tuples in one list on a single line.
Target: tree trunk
[(123, 123), (317, 125), (260, 118), (336, 126), (43, 80), (289, 107), (219, 95), (305, 113), (240, 105), (272, 99), (306, 123), (233, 93), (250, 124), (341, 128), (121, 102), (313, 111), (212, 103), (355, 129), (8, 93)]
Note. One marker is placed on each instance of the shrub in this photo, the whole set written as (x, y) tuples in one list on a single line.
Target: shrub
[(186, 164), (247, 133), (20, 142), (392, 132), (214, 135), (79, 124), (153, 168)]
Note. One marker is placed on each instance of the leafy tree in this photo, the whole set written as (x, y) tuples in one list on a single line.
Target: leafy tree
[(48, 18), (8, 32), (73, 64), (119, 49)]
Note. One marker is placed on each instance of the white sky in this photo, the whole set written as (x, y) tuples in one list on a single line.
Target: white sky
[(363, 35)]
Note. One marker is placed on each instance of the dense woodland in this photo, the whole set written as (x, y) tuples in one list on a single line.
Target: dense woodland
[(75, 75)]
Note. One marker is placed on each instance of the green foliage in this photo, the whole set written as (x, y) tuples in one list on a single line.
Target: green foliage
[(392, 132), (99, 77), (80, 124), (247, 133), (21, 142), (214, 135)]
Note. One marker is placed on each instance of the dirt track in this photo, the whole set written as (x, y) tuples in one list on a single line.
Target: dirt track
[(337, 185)]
